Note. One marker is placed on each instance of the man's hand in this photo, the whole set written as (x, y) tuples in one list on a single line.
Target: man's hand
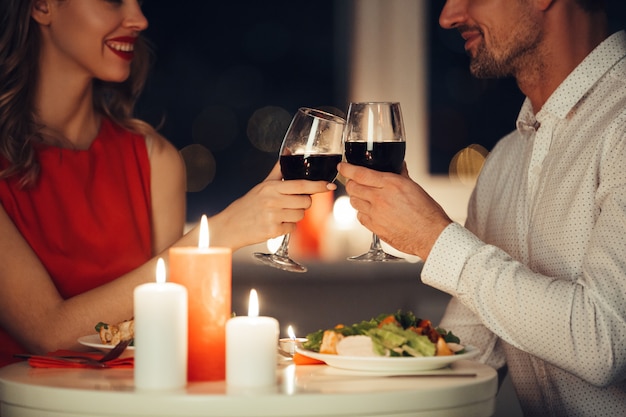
[(396, 208)]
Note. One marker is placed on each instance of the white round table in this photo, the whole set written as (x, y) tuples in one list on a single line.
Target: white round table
[(303, 390)]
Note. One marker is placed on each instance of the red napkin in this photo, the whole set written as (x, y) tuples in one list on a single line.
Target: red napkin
[(300, 359), (48, 360)]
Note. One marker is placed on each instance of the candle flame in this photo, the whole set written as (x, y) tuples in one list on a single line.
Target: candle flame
[(203, 241), (253, 305), (291, 333), (160, 271)]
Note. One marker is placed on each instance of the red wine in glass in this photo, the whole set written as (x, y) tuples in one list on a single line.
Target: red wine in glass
[(311, 150), (374, 138), (319, 167), (381, 156)]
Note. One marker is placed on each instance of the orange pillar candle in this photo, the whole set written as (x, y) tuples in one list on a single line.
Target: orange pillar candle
[(207, 274)]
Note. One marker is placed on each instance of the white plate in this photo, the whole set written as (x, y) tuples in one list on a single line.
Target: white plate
[(93, 340), (389, 364)]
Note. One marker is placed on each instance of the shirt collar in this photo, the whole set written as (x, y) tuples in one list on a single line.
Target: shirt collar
[(526, 120), (574, 88)]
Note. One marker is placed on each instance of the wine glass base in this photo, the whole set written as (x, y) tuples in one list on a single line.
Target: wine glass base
[(281, 262), (375, 256)]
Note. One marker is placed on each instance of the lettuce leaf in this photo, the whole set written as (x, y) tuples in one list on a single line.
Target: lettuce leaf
[(388, 340), (314, 340), (391, 340)]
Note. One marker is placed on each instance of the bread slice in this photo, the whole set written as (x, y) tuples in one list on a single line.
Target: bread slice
[(329, 342), (112, 334)]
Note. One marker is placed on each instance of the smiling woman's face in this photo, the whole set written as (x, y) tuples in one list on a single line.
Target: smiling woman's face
[(93, 38)]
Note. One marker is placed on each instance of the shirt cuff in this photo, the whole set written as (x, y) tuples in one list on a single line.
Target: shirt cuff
[(447, 258)]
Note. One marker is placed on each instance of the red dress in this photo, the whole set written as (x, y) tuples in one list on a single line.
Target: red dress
[(88, 216)]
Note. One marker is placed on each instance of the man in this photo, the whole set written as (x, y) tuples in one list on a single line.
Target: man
[(538, 274)]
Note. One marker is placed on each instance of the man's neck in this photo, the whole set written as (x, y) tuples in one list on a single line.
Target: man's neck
[(570, 35)]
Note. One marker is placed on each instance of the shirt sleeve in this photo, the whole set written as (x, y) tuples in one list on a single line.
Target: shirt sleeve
[(576, 325), (443, 271), (468, 327)]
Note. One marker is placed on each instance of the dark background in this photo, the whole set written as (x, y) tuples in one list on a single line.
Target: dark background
[(463, 110), (217, 63), (229, 75)]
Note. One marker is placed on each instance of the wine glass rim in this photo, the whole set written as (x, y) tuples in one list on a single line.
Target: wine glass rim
[(321, 114), (391, 103)]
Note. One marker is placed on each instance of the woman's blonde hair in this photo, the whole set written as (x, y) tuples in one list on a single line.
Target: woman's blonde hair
[(20, 44)]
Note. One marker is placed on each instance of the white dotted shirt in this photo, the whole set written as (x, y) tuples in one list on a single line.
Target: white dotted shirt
[(539, 272)]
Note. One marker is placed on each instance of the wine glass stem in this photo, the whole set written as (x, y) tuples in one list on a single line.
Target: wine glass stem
[(376, 246), (284, 247)]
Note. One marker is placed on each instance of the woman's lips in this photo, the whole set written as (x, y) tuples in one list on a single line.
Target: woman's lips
[(123, 46)]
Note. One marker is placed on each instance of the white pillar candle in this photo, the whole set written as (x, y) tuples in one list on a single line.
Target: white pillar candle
[(160, 334), (251, 343)]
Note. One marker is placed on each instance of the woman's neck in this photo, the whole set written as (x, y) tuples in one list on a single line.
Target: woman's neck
[(64, 106)]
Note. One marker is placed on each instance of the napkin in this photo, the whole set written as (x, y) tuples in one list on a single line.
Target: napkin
[(300, 359), (49, 361)]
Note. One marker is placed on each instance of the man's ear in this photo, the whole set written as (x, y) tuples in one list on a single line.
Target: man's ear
[(41, 12), (544, 5)]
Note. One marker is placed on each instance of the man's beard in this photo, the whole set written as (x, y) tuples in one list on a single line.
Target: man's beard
[(485, 65), (502, 60)]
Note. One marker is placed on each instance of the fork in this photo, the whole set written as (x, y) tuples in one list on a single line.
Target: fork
[(85, 360), (116, 351)]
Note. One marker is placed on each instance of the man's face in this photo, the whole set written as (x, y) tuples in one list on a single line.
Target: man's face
[(502, 36)]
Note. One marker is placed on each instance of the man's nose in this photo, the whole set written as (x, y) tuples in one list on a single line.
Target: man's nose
[(453, 14)]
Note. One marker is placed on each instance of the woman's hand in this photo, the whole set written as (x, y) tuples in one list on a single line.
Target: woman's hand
[(270, 209)]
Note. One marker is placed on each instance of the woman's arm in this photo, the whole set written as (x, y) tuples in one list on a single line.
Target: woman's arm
[(34, 312), (272, 208), (168, 192)]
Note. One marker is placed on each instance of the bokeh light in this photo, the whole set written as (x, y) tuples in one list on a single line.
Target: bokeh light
[(467, 164), (200, 166), (344, 214), (267, 126)]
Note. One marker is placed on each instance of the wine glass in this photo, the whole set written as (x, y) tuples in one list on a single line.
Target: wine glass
[(374, 138), (311, 150)]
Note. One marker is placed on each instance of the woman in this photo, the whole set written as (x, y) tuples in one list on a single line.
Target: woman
[(89, 196)]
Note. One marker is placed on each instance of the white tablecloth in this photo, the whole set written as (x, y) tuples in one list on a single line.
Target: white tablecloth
[(311, 390)]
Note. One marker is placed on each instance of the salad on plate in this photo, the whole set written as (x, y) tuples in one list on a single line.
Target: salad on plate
[(389, 335)]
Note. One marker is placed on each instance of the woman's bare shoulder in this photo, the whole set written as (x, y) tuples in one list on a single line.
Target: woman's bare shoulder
[(161, 150)]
